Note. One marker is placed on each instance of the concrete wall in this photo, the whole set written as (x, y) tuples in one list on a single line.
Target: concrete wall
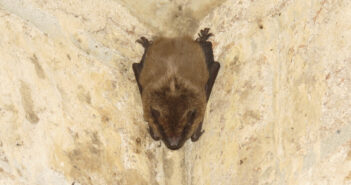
[(279, 113)]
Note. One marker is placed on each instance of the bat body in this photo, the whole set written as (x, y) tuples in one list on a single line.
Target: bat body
[(175, 78)]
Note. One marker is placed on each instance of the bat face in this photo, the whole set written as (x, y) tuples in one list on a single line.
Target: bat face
[(174, 113), (175, 78)]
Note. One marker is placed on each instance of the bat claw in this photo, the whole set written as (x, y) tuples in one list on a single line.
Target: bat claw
[(144, 42), (196, 136), (204, 35)]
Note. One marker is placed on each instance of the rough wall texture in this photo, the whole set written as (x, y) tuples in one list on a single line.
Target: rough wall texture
[(279, 113)]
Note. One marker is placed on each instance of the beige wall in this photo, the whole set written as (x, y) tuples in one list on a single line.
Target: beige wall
[(279, 113)]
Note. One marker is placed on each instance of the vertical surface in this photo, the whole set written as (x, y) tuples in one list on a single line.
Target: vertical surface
[(279, 112)]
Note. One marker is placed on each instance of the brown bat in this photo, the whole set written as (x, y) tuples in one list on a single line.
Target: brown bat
[(175, 78)]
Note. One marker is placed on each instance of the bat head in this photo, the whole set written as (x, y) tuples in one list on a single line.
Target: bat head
[(174, 111)]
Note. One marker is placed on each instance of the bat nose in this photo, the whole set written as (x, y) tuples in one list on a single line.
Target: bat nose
[(173, 141)]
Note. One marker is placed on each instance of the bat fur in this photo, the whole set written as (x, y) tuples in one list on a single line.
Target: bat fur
[(175, 78)]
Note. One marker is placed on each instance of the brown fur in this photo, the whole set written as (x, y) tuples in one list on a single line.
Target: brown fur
[(173, 78)]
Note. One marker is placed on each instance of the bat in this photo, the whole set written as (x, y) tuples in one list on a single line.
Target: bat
[(175, 78)]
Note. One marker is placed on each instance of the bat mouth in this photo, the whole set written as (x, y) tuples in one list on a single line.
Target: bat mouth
[(174, 143), (172, 139), (174, 147)]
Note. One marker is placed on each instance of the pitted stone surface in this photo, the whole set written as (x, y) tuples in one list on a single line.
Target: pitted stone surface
[(279, 112)]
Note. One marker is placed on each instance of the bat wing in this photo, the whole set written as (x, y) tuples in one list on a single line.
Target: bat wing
[(137, 67), (213, 68)]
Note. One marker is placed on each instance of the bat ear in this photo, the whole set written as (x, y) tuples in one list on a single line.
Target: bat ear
[(153, 135), (198, 132)]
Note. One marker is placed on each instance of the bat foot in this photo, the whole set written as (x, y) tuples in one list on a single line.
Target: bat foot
[(144, 42), (204, 35), (196, 136)]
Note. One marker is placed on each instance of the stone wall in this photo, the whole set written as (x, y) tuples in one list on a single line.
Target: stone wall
[(279, 113)]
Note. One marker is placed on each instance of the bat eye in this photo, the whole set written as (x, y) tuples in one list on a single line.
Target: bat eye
[(155, 113), (191, 116)]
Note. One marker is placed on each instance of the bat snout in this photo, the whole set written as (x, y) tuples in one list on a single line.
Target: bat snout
[(173, 142)]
